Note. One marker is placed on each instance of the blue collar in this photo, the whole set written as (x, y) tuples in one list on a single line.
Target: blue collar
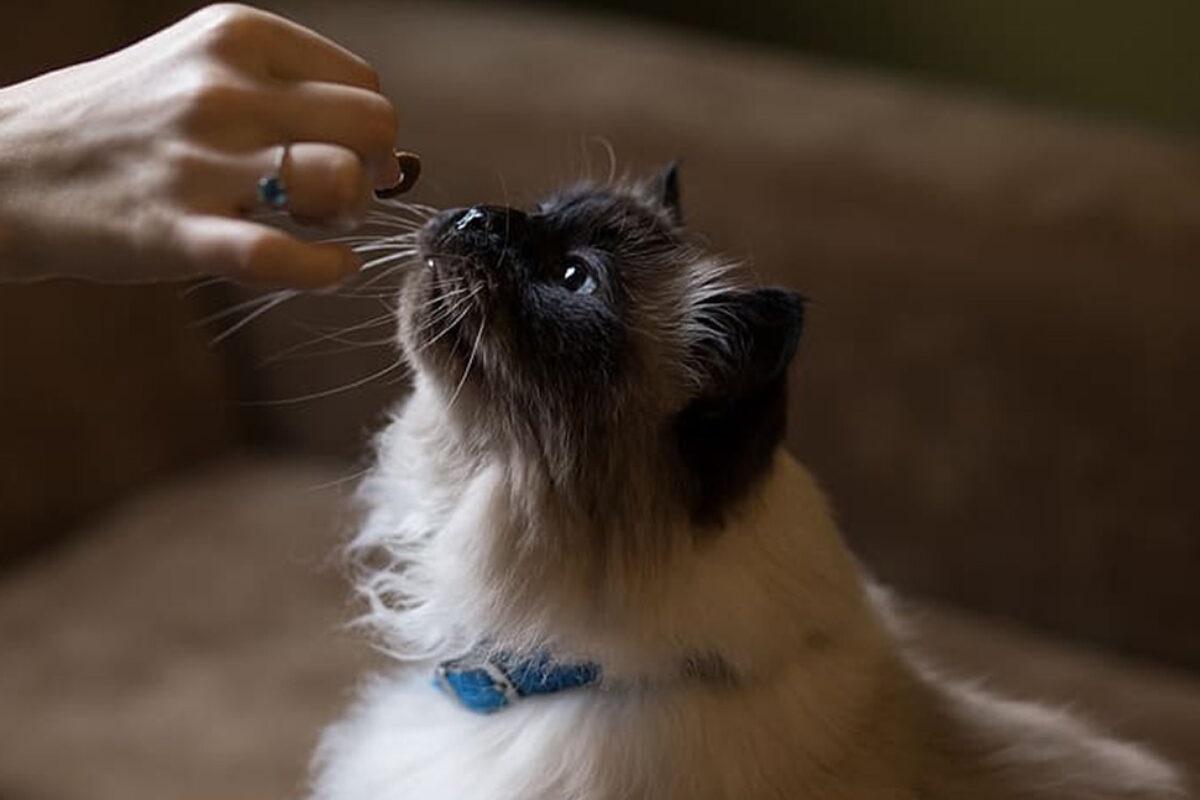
[(485, 681)]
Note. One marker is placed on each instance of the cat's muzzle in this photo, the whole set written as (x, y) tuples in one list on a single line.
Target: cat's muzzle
[(480, 232)]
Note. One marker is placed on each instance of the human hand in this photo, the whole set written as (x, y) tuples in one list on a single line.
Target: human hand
[(144, 164)]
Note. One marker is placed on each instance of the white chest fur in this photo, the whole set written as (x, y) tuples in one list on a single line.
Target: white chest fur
[(826, 706)]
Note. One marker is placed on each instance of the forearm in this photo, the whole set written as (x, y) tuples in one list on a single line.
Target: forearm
[(19, 198), (19, 258), (10, 266)]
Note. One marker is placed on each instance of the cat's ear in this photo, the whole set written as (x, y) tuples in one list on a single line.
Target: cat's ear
[(754, 336), (728, 434), (666, 191)]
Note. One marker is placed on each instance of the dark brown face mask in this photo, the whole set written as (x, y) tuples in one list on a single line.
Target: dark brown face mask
[(410, 171)]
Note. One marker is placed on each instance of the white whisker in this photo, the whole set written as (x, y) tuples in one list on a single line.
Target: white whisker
[(202, 284), (466, 310), (470, 363), (386, 259), (328, 392), (441, 315), (245, 304), (328, 336), (336, 482), (259, 305)]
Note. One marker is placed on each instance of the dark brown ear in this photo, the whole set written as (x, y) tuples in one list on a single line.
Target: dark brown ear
[(667, 191), (727, 436), (755, 335)]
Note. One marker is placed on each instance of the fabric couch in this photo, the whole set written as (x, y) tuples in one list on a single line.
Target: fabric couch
[(998, 388)]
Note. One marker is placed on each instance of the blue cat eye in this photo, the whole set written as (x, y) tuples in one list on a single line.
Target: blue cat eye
[(577, 276)]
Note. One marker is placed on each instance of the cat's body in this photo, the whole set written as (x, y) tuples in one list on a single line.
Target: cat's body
[(743, 654)]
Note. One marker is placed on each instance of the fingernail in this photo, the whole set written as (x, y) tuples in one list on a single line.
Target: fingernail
[(351, 263), (410, 171)]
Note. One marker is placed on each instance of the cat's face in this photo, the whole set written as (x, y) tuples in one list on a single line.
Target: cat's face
[(558, 306), (582, 333)]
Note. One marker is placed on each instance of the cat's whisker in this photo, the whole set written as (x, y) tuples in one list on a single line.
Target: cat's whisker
[(338, 482), (438, 317), (333, 349), (242, 306), (334, 331), (257, 306), (381, 245), (387, 247), (382, 267), (390, 258), (382, 294), (399, 213), (466, 309), (612, 160), (383, 274), (398, 239), (328, 336), (197, 286), (339, 348), (456, 295), (392, 228), (275, 301), (384, 244), (396, 364), (398, 219), (470, 363), (450, 257), (399, 207), (367, 238), (408, 206), (444, 291)]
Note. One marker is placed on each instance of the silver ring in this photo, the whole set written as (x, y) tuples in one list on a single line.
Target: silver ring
[(272, 188)]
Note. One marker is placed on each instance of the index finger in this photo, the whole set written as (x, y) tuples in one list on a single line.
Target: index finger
[(295, 53)]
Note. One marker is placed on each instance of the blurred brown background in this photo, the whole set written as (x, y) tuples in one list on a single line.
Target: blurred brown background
[(995, 206)]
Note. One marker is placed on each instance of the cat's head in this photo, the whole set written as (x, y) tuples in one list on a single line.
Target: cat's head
[(595, 340)]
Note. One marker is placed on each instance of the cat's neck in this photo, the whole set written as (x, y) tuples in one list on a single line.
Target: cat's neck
[(776, 584)]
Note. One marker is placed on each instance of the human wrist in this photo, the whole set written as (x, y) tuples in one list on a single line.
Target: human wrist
[(15, 263), (8, 265)]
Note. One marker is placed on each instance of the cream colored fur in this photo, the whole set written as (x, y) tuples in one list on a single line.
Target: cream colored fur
[(827, 705)]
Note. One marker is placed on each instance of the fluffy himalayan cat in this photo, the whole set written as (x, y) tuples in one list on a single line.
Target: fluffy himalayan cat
[(602, 575)]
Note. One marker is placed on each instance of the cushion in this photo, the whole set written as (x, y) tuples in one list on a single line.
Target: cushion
[(191, 646)]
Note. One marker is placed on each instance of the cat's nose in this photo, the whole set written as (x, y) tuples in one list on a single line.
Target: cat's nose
[(473, 217), (487, 219)]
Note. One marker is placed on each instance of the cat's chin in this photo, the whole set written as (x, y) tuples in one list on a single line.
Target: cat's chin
[(440, 322)]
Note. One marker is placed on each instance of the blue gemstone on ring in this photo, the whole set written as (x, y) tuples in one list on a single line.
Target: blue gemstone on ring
[(273, 191)]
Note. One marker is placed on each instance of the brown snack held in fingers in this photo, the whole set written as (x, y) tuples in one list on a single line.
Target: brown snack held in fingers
[(410, 171)]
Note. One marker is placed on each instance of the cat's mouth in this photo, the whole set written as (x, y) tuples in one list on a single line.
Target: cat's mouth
[(445, 305), (466, 257)]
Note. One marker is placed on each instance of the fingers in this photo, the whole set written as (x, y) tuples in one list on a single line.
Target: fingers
[(362, 121), (325, 182), (296, 84), (297, 53), (267, 81), (278, 47), (252, 253)]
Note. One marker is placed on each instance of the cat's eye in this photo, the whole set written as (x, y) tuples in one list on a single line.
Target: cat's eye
[(577, 276)]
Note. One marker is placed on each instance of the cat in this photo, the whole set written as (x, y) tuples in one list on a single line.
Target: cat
[(602, 575)]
